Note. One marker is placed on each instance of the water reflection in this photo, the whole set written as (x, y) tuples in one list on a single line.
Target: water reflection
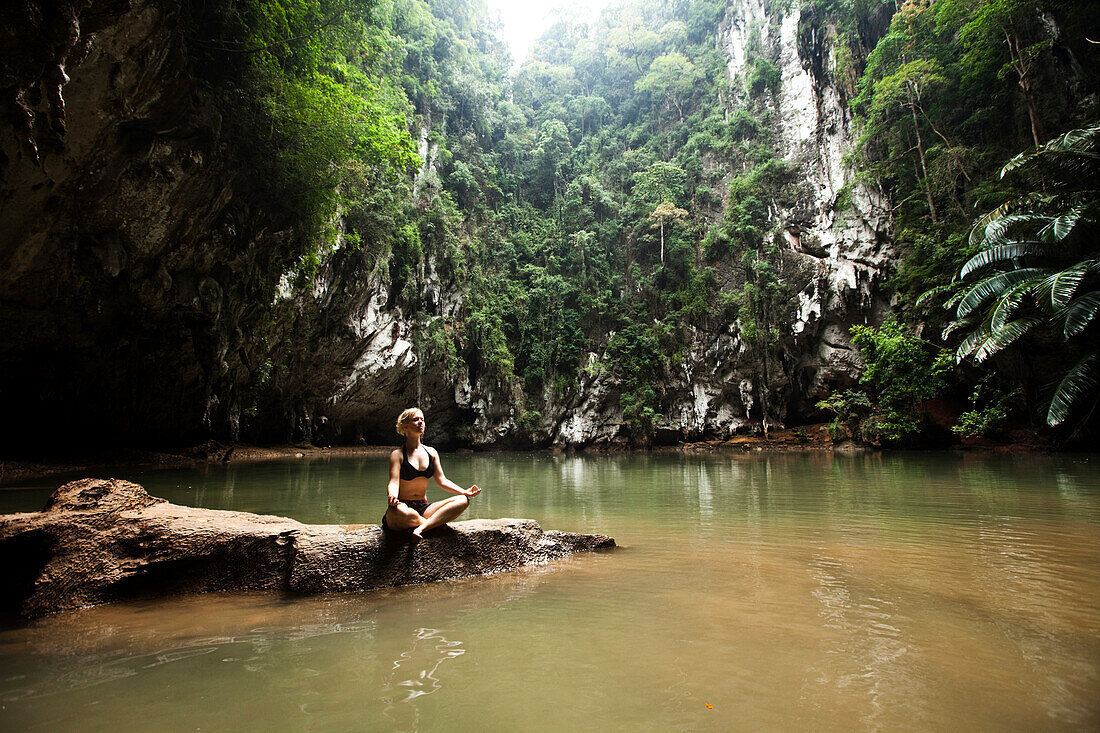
[(590, 490), (866, 656), (82, 649), (415, 671), (924, 592)]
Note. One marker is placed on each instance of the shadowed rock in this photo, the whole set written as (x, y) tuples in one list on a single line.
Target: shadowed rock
[(99, 541)]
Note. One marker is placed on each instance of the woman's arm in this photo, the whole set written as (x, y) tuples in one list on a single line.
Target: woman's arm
[(446, 484), (395, 478)]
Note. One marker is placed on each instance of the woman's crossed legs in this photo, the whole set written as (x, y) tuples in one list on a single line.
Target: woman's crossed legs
[(436, 514)]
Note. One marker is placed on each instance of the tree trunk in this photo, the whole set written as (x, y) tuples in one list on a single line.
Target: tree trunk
[(947, 142), (1025, 82), (1032, 115), (920, 153)]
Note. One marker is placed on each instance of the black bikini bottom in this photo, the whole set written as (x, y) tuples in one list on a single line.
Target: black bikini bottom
[(417, 505)]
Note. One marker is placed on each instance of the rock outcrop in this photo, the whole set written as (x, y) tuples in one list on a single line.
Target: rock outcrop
[(98, 541)]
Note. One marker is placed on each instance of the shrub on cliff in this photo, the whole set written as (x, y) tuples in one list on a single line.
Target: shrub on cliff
[(901, 371)]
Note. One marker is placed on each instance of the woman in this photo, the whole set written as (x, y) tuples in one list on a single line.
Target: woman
[(411, 466)]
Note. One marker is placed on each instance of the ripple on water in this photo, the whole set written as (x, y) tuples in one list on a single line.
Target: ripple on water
[(785, 592)]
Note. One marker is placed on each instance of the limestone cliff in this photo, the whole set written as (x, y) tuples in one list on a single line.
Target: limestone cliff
[(836, 242), (145, 273)]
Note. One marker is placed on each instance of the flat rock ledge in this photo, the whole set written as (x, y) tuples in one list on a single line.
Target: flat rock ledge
[(104, 540)]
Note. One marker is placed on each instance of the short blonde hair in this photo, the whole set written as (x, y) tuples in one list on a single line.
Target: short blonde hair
[(406, 417)]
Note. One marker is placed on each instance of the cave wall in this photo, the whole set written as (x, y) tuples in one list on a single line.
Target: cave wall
[(133, 259)]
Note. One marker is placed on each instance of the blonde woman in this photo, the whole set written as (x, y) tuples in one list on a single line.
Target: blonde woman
[(411, 466)]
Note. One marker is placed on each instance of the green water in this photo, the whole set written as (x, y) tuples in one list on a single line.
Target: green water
[(899, 592)]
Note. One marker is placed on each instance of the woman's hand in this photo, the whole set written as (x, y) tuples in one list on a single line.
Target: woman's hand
[(472, 491), (394, 501)]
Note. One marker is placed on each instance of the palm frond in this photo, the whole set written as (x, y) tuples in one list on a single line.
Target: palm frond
[(1018, 161), (1066, 170), (1079, 384), (1035, 201), (956, 325), (999, 253), (983, 290), (1042, 245), (972, 341), (933, 292), (1081, 312), (954, 299), (1084, 140), (977, 232), (1006, 305), (1059, 287), (1060, 226), (1000, 231), (1005, 335)]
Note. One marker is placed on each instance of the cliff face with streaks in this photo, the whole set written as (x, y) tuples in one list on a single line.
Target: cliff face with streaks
[(140, 269), (835, 247), (835, 240)]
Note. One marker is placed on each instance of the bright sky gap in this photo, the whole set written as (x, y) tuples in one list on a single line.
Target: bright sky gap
[(523, 21)]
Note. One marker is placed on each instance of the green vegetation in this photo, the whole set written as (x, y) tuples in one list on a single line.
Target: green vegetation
[(991, 410), (849, 408), (953, 89), (617, 196), (585, 212), (900, 372), (1037, 268), (306, 102)]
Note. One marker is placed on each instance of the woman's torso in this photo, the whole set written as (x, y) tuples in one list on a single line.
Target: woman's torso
[(413, 484)]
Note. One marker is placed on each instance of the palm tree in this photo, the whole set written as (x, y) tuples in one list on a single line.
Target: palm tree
[(1037, 267)]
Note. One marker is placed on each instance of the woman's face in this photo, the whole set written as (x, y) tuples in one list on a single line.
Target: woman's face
[(416, 423)]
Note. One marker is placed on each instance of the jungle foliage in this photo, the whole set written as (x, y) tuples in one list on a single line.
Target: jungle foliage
[(617, 190), (1037, 269), (952, 90), (579, 202)]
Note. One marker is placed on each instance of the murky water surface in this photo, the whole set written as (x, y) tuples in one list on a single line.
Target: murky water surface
[(775, 592)]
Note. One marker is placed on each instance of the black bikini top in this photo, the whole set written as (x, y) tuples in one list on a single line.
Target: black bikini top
[(409, 472)]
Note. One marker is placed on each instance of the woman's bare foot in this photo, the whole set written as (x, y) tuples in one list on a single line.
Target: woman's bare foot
[(415, 538)]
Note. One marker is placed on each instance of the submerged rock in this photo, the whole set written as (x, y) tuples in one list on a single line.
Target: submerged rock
[(104, 540)]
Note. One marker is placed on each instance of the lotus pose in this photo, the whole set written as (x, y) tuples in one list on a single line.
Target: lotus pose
[(411, 466)]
